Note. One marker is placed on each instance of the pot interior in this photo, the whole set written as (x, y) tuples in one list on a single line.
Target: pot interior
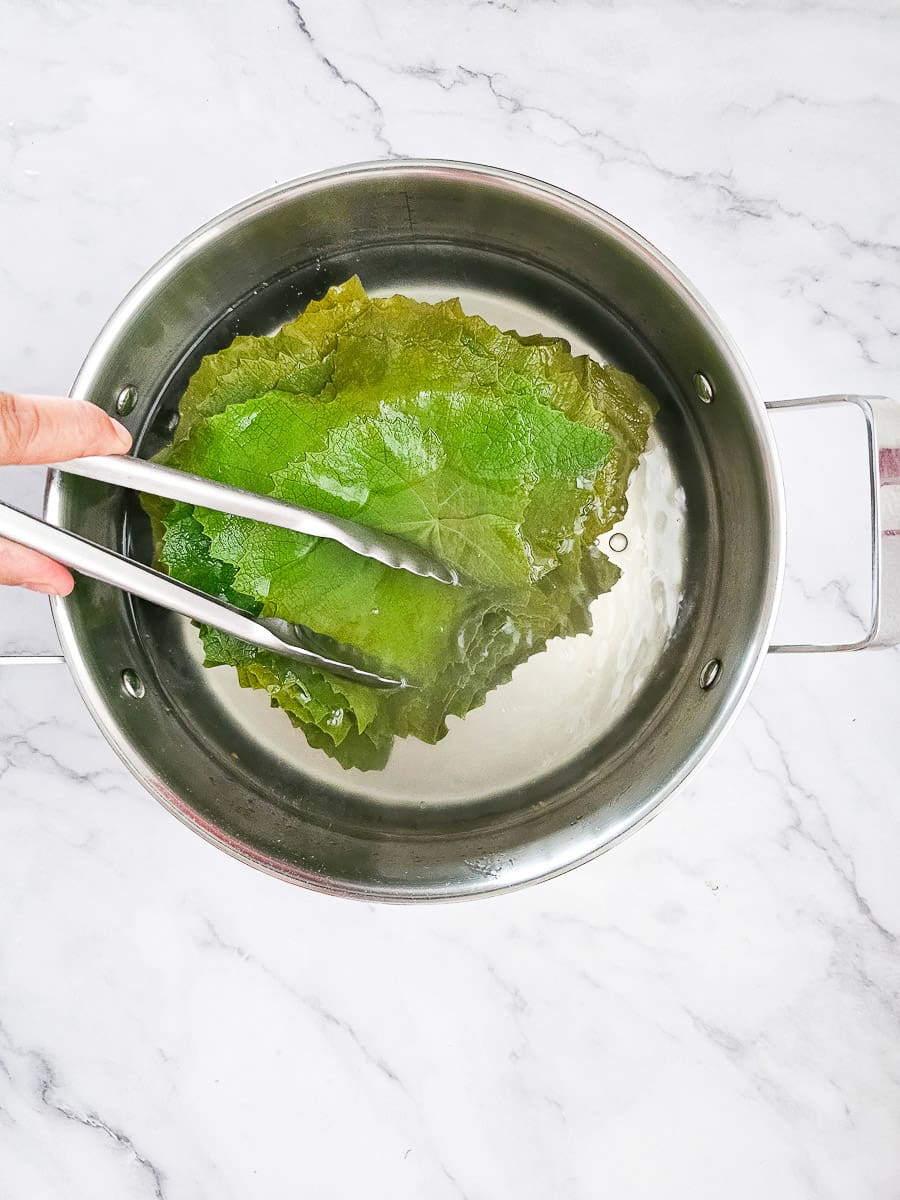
[(589, 737)]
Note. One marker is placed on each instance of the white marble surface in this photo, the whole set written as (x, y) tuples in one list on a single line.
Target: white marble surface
[(712, 1009)]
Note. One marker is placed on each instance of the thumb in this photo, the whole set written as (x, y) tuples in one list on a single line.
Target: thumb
[(45, 429)]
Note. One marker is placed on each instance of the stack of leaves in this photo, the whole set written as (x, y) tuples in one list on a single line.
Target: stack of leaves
[(503, 456)]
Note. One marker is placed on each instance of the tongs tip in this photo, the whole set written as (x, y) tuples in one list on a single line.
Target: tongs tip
[(444, 574)]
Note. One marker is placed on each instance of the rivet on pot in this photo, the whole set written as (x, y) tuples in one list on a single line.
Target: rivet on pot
[(618, 542), (126, 400), (710, 674), (703, 387), (132, 684)]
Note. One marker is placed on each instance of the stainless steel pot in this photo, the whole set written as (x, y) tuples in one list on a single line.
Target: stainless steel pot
[(529, 252)]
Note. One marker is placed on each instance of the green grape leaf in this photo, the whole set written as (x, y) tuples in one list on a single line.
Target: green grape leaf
[(503, 456)]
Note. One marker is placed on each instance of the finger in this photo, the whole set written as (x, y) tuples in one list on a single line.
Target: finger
[(45, 429), (19, 565)]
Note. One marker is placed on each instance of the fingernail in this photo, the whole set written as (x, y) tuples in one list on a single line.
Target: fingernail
[(121, 433)]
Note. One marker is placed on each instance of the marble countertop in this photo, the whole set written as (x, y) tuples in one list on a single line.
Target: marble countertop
[(710, 1010)]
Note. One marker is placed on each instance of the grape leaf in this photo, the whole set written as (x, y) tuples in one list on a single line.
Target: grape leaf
[(503, 456)]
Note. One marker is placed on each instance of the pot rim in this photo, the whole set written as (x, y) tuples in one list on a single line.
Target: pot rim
[(157, 274)]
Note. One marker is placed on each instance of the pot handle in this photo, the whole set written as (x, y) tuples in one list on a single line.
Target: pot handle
[(30, 660), (883, 425)]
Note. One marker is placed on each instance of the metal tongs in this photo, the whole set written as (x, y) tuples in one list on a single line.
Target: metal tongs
[(271, 633)]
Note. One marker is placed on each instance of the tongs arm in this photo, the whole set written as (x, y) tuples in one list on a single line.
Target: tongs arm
[(158, 480), (110, 567)]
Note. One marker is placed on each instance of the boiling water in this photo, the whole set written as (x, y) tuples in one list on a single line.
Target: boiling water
[(559, 701)]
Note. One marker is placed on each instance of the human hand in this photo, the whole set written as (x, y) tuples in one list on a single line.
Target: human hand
[(46, 429)]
